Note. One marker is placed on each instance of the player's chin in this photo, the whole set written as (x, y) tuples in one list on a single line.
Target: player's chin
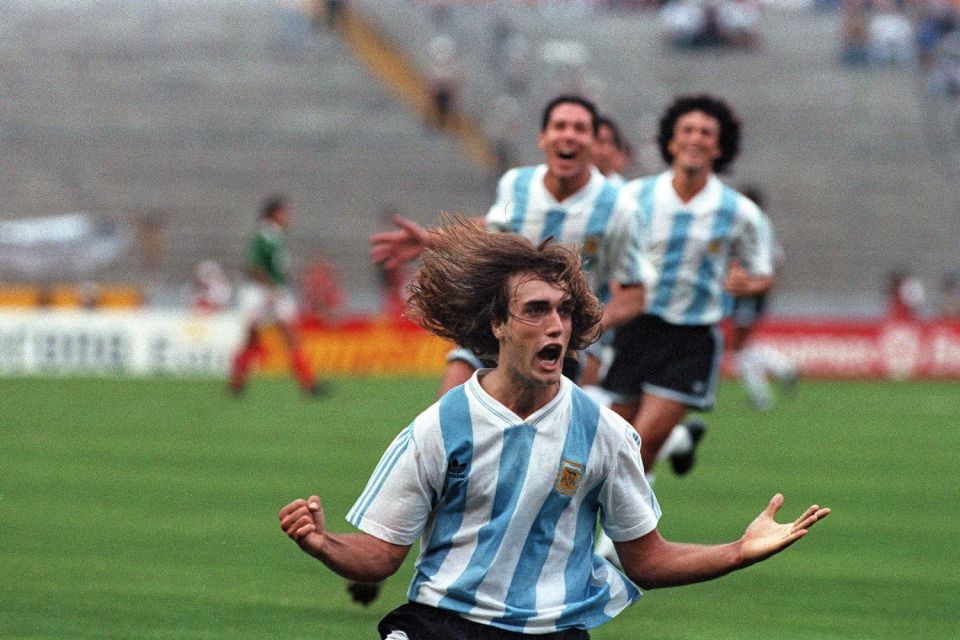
[(549, 374)]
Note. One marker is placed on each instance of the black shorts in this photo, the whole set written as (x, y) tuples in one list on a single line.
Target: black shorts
[(678, 362), (747, 310), (422, 622)]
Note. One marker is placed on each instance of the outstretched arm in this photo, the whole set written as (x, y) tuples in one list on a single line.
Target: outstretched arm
[(399, 246), (355, 556), (653, 562)]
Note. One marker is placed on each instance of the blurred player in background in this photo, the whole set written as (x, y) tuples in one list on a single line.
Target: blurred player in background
[(566, 198), (611, 151), (668, 360), (210, 291), (755, 364), (611, 156), (503, 479), (266, 299), (320, 292), (906, 296)]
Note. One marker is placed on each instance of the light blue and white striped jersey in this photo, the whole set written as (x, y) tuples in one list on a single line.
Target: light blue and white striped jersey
[(598, 219), (690, 246), (506, 508)]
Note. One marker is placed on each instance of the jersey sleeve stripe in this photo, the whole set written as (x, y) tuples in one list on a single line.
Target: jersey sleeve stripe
[(380, 474)]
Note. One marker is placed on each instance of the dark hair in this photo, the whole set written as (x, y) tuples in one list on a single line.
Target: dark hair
[(461, 288), (618, 140), (713, 107), (570, 99), (271, 205)]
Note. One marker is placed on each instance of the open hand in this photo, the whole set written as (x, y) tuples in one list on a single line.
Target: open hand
[(766, 537), (395, 248)]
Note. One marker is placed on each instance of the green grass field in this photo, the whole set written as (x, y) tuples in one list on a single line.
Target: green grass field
[(148, 509)]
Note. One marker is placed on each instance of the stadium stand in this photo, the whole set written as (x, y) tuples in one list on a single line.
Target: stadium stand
[(188, 114)]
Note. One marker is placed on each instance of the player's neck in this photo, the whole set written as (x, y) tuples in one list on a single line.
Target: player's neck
[(687, 184), (520, 396), (563, 188)]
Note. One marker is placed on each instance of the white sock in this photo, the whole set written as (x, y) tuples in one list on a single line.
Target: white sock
[(773, 361), (754, 377), (679, 441)]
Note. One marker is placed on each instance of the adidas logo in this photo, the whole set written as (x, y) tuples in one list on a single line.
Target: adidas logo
[(456, 469)]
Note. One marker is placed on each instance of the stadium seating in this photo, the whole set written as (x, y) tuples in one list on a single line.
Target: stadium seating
[(185, 118)]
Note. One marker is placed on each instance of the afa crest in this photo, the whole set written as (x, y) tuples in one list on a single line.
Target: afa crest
[(589, 250), (568, 477)]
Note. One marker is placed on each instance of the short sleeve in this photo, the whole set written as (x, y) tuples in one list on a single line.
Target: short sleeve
[(400, 493), (498, 217), (629, 260), (629, 507), (754, 245)]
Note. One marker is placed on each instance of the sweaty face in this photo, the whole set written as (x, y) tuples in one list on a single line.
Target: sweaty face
[(534, 338), (695, 145), (567, 141)]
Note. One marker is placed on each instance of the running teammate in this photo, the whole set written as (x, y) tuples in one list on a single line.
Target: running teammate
[(502, 480), (611, 151), (566, 198), (754, 363), (669, 357)]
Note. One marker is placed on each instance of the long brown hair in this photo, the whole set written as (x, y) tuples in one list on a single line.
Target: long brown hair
[(461, 286)]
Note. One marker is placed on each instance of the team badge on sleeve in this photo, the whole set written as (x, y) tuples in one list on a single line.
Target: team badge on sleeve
[(568, 478)]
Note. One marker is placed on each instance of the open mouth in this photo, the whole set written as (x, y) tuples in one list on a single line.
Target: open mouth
[(550, 354), (566, 155)]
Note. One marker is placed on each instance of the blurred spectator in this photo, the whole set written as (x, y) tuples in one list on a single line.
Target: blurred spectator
[(853, 33), (334, 12), (517, 69), (889, 35), (935, 19), (150, 229), (685, 22), (210, 290), (943, 79), (738, 23), (444, 77), (294, 25), (699, 23), (949, 307), (905, 296), (757, 364), (321, 295), (325, 12)]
